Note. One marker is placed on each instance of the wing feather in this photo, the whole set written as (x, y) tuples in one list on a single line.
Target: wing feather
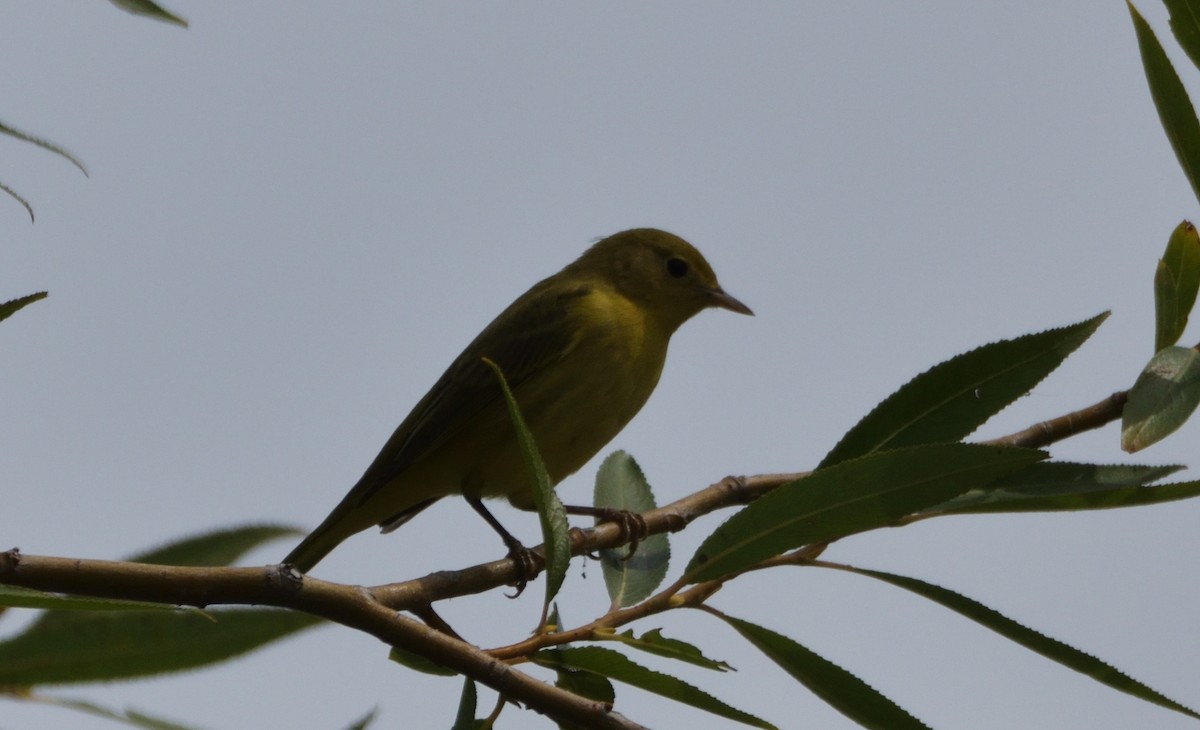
[(530, 335)]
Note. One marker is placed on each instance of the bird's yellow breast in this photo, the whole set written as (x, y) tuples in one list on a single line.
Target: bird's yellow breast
[(580, 402)]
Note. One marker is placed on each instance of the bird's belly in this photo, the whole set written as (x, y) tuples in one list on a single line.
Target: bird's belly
[(570, 417)]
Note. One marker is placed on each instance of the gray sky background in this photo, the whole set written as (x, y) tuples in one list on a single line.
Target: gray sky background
[(299, 214)]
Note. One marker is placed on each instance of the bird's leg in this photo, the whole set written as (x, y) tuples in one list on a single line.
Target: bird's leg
[(527, 560), (426, 613), (632, 525)]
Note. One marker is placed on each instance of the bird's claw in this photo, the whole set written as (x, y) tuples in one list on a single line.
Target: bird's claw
[(632, 526), (528, 563)]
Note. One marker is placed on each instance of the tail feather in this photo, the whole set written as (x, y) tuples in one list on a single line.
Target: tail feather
[(311, 549), (402, 518), (330, 533)]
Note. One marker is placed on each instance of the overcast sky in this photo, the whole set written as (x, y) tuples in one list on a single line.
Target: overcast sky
[(298, 214)]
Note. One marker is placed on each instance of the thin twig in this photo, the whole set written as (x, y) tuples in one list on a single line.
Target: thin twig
[(1071, 424)]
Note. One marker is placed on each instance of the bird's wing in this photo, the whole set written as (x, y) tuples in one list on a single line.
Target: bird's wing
[(531, 334)]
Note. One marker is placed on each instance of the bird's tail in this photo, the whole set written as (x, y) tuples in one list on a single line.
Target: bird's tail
[(336, 527), (312, 548)]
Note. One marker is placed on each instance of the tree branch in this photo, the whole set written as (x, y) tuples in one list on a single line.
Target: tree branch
[(374, 610), (277, 586), (669, 518)]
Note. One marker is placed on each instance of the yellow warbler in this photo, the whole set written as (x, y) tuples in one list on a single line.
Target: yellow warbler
[(582, 351)]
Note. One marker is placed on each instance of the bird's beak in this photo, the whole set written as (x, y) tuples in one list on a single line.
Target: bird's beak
[(720, 299)]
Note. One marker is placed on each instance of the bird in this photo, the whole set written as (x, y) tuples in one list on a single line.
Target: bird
[(582, 350)]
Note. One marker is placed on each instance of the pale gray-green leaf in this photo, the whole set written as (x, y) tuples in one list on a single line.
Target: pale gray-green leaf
[(1162, 399), (621, 485)]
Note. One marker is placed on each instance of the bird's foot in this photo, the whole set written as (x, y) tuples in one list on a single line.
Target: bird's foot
[(528, 562), (631, 524)]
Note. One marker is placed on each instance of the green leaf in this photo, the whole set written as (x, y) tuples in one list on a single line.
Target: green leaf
[(17, 597), (216, 548), (842, 690), (1170, 98), (1058, 486), (577, 681), (365, 721), (10, 307), (655, 643), (419, 662), (585, 684), (1050, 648), (1165, 394), (464, 719), (614, 665), (1175, 283), (25, 137), (17, 197), (621, 485), (151, 10), (1099, 499), (853, 496), (952, 399), (552, 515), (1185, 24), (65, 647), (553, 620), (129, 717)]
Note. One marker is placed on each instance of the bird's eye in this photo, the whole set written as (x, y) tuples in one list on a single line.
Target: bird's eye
[(677, 267)]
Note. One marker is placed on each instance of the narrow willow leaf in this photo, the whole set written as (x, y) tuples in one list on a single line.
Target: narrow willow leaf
[(1162, 398), (1175, 109), (65, 647), (419, 662), (129, 717), (17, 197), (1090, 500), (365, 721), (655, 643), (585, 684), (151, 722), (853, 496), (150, 9), (17, 597), (952, 399), (50, 146), (1185, 24), (621, 485), (614, 665), (464, 719), (1054, 486), (8, 308), (1175, 283), (839, 688), (216, 548), (1050, 648), (553, 620), (551, 513), (577, 681)]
